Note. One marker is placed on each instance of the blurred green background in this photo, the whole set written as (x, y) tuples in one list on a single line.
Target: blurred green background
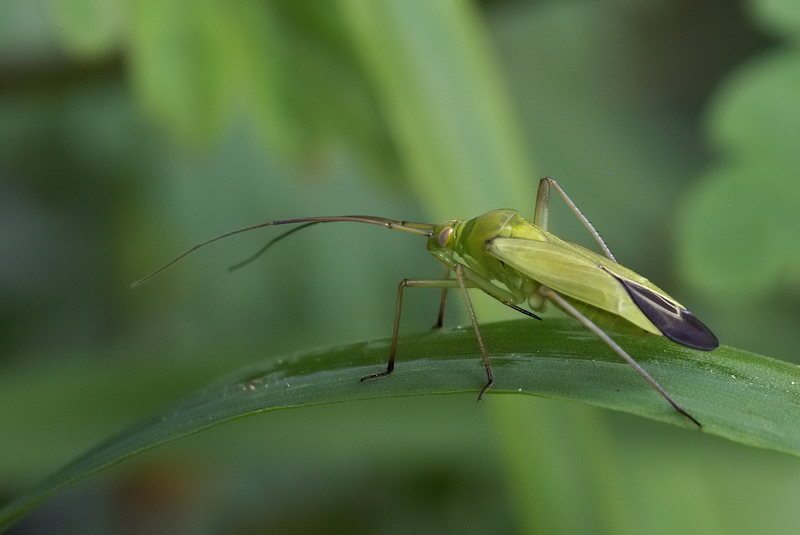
[(130, 130)]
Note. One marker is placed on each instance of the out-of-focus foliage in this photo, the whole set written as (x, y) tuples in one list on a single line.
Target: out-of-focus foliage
[(130, 130), (740, 231), (286, 70)]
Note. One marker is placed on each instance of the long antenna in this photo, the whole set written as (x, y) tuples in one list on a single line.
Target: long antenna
[(269, 244), (422, 229)]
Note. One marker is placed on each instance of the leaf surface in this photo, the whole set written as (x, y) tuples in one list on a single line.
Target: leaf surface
[(745, 397)]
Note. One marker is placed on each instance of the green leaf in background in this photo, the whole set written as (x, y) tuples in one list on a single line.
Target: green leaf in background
[(782, 17), (179, 65), (738, 395), (89, 28), (447, 109), (740, 230)]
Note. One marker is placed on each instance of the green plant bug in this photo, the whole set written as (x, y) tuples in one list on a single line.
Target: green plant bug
[(517, 261)]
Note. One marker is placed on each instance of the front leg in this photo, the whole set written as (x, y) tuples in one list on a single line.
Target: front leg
[(410, 283)]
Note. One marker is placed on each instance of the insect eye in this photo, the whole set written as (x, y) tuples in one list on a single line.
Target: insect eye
[(444, 236)]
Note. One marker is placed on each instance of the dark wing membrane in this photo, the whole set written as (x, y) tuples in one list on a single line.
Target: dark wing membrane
[(674, 322)]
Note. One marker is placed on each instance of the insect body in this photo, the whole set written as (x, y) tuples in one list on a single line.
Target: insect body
[(517, 261), (528, 261)]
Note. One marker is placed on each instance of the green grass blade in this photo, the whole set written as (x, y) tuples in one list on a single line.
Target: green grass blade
[(435, 74), (735, 394)]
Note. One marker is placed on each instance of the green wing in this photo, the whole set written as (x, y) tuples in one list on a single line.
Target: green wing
[(576, 272), (594, 280)]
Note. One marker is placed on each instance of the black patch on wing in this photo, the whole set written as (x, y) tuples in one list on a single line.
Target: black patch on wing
[(677, 324)]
